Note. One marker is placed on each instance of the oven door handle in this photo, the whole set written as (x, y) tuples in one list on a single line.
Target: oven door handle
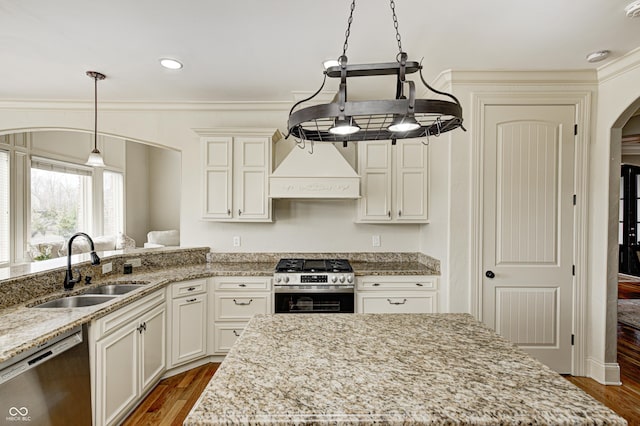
[(242, 303)]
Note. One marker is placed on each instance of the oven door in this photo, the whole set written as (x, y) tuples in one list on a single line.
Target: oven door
[(291, 301)]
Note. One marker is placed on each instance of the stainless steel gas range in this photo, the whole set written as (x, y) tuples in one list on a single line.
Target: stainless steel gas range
[(314, 286)]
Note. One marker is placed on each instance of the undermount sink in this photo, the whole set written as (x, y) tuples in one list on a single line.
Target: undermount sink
[(114, 289), (76, 301)]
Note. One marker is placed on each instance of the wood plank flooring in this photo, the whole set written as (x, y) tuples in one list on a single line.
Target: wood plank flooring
[(171, 400)]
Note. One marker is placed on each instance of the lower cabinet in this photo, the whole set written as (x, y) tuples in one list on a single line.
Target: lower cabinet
[(188, 306), (129, 346), (233, 301), (397, 294)]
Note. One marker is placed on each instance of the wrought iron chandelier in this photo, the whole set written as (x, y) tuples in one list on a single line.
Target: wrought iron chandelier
[(350, 121)]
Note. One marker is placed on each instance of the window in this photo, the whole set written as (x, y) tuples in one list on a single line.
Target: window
[(4, 207), (60, 200), (113, 202)]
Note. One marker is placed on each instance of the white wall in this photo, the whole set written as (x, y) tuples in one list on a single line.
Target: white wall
[(137, 192), (165, 183), (299, 225)]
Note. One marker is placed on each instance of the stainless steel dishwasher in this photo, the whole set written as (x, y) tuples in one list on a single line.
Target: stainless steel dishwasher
[(48, 385)]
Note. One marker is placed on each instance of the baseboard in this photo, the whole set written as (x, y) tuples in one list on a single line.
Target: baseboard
[(193, 364), (604, 373)]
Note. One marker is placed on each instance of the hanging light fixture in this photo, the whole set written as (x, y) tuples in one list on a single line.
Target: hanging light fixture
[(95, 157), (403, 117)]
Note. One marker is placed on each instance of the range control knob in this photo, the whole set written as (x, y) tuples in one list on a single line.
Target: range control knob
[(286, 279), (334, 279), (341, 278), (350, 279), (278, 278)]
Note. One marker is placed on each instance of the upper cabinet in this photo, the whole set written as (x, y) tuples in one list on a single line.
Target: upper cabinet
[(236, 173), (394, 182)]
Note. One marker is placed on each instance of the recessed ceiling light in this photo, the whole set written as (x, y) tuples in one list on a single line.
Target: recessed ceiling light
[(171, 64), (598, 56), (633, 9)]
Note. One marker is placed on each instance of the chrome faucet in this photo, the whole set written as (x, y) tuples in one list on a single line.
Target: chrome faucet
[(69, 281)]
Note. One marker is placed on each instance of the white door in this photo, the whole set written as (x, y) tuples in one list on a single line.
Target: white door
[(374, 167), (252, 177), (218, 169), (528, 184)]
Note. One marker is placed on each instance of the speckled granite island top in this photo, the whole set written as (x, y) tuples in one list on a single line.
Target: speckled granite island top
[(423, 369)]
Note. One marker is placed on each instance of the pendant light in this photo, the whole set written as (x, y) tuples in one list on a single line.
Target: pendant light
[(402, 117), (95, 157)]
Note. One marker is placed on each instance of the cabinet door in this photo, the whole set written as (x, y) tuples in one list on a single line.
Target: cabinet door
[(152, 347), (396, 303), (218, 171), (116, 374), (188, 328), (374, 167), (252, 168), (411, 181)]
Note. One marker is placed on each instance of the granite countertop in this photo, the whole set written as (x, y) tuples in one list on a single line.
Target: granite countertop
[(411, 369), (22, 328)]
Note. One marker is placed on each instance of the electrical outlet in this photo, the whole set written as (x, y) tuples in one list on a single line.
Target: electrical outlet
[(135, 262), (236, 241), (107, 267), (376, 240)]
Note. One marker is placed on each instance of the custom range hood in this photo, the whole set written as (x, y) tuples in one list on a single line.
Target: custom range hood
[(321, 173)]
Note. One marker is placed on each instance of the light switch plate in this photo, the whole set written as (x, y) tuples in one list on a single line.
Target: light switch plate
[(376, 240), (135, 262), (236, 241), (107, 267)]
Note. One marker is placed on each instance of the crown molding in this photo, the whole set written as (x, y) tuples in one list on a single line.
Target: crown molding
[(516, 77), (623, 64)]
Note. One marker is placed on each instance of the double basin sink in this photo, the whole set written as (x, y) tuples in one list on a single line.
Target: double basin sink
[(91, 297)]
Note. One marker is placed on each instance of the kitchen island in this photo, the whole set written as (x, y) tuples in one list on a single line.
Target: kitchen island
[(411, 369)]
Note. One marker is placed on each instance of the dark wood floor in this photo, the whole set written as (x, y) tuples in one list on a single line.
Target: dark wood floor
[(170, 402)]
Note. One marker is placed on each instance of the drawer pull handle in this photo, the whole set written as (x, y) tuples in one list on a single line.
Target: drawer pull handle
[(397, 303), (242, 303), (191, 288), (235, 333), (242, 285), (191, 300), (419, 284), (376, 284)]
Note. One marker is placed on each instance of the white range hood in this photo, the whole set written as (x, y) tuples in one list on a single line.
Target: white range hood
[(322, 174)]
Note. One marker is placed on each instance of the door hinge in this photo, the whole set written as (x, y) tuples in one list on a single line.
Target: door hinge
[(573, 339), (575, 199), (575, 129), (573, 270)]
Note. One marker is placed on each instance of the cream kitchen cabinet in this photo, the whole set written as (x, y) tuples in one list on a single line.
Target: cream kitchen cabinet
[(234, 300), (188, 313), (394, 182), (397, 294), (129, 353), (236, 169)]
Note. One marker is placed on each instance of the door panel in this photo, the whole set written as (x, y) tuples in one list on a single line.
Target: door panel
[(528, 181)]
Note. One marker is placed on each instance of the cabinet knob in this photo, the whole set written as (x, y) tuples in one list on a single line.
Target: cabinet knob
[(242, 303), (242, 285), (490, 274), (397, 303), (239, 212), (399, 213), (389, 213), (376, 284), (228, 212)]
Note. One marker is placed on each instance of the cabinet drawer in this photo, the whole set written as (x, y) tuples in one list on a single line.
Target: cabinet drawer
[(242, 283), (188, 287), (397, 303), (127, 314), (225, 335), (241, 306), (402, 282)]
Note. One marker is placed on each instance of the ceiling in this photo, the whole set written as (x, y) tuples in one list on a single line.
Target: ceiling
[(259, 50)]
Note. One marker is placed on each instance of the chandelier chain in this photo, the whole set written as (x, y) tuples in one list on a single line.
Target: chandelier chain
[(395, 24), (348, 32)]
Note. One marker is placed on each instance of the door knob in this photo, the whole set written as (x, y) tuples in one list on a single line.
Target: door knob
[(490, 274)]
